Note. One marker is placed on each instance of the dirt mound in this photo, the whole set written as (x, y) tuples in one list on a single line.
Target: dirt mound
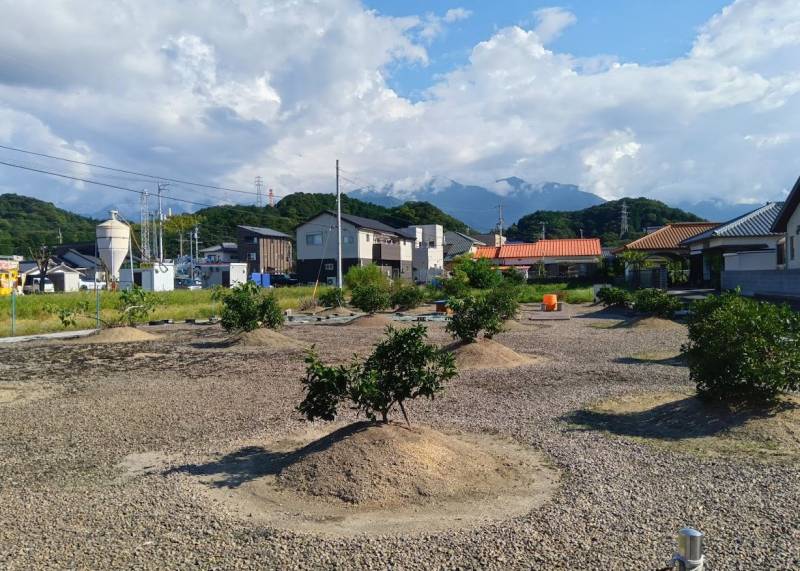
[(116, 335), (685, 423), (487, 354), (513, 325), (368, 478), (650, 324), (264, 337), (392, 465), (371, 321)]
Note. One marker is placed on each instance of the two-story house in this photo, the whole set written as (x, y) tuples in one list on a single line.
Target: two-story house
[(265, 250), (428, 253), (364, 242)]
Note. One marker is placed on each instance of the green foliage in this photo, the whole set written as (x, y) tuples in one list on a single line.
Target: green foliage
[(481, 273), (136, 304), (513, 277), (676, 270), (656, 302), (401, 367), (407, 296), (634, 259), (27, 223), (370, 297), (471, 315), (246, 307), (614, 297), (457, 285), (600, 221), (68, 316), (332, 297), (366, 275), (504, 300), (742, 349)]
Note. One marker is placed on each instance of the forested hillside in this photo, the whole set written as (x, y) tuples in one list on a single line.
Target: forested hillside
[(601, 221), (27, 223)]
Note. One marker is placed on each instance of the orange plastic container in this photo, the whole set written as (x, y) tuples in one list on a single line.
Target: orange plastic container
[(550, 301)]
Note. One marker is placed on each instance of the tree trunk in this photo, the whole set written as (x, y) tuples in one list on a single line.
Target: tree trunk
[(384, 416), (403, 410)]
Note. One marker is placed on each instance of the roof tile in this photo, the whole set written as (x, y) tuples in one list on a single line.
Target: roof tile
[(670, 236)]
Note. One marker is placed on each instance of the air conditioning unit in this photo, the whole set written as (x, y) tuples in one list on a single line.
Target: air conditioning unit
[(331, 281)]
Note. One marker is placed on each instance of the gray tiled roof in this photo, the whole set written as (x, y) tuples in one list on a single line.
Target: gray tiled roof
[(755, 223), (456, 243), (269, 232)]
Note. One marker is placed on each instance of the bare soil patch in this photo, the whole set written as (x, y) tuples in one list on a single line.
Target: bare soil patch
[(367, 478), (376, 320), (115, 335), (649, 324), (15, 393), (683, 422), (488, 354), (264, 337)]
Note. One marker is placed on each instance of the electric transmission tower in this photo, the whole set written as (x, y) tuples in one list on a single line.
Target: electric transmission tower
[(623, 224), (259, 191), (144, 226)]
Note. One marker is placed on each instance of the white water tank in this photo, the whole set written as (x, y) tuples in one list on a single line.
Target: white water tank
[(113, 241)]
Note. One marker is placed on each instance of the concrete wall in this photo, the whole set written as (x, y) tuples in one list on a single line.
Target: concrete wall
[(214, 274), (751, 261), (781, 283), (793, 231)]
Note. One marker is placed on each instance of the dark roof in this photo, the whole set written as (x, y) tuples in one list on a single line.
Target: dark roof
[(755, 223), (268, 232), (789, 207), (362, 222), (456, 243)]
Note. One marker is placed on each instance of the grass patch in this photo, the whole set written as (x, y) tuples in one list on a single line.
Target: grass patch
[(534, 293), (33, 318)]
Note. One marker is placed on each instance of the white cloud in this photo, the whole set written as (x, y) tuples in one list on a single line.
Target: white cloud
[(456, 14), (551, 22), (283, 88)]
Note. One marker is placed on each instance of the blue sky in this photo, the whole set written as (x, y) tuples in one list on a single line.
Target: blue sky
[(642, 31)]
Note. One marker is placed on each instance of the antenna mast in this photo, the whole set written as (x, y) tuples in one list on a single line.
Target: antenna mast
[(623, 225)]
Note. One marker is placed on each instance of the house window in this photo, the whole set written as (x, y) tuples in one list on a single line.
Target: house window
[(314, 239), (368, 237), (791, 247), (329, 267), (347, 238), (254, 240), (251, 256)]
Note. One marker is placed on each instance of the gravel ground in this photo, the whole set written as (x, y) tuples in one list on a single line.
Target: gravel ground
[(66, 503)]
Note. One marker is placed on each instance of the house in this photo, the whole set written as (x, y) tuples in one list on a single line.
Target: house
[(490, 239), (265, 250), (746, 242), (665, 244), (787, 224), (574, 257), (63, 277), (221, 253), (86, 264), (364, 242), (457, 244), (427, 257), (155, 276)]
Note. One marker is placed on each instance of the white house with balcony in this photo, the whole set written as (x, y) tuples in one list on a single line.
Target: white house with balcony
[(428, 253)]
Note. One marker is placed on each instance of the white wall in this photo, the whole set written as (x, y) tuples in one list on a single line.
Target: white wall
[(793, 231), (751, 261), (161, 277), (428, 252)]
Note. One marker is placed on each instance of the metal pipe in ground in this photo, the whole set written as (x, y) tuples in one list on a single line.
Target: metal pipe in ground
[(689, 556)]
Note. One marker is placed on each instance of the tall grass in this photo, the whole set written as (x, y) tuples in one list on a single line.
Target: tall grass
[(33, 317)]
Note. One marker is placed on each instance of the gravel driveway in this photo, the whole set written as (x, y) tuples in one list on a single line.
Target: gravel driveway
[(65, 502)]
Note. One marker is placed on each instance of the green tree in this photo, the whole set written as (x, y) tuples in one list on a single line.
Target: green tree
[(370, 297), (246, 307), (471, 315)]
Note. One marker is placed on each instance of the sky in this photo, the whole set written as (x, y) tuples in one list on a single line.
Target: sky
[(681, 101)]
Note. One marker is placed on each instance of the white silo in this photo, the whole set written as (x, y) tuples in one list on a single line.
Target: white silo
[(113, 242)]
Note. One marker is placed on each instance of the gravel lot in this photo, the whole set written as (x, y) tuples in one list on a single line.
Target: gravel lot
[(66, 503)]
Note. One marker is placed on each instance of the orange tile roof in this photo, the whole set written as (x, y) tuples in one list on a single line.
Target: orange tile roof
[(489, 252), (577, 247), (670, 236)]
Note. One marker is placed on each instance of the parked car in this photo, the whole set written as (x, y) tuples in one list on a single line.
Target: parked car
[(32, 286), (188, 283), (283, 280)]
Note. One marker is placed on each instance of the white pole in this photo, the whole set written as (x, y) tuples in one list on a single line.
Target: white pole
[(160, 227), (339, 280)]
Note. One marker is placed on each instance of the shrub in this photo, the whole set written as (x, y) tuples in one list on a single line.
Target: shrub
[(370, 298), (481, 273), (471, 315), (366, 275), (656, 302), (401, 367), (513, 277), (407, 296), (614, 297), (504, 300), (332, 297), (247, 306), (742, 349), (457, 285), (307, 304)]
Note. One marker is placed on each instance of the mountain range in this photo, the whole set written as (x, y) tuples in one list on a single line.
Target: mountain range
[(477, 206)]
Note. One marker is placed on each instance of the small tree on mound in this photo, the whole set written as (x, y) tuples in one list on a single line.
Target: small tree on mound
[(741, 349), (407, 296), (656, 302), (370, 298), (246, 307), (614, 297), (457, 285), (401, 367), (481, 273), (472, 315), (505, 300), (332, 297)]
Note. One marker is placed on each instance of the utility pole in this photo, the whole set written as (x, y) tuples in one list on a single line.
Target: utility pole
[(191, 257), (144, 226), (196, 243), (623, 225), (543, 230), (500, 220), (581, 233), (60, 237), (339, 280), (271, 198), (259, 191)]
